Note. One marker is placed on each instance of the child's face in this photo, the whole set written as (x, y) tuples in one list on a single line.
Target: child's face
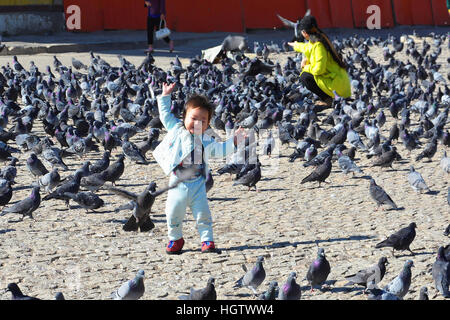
[(196, 120)]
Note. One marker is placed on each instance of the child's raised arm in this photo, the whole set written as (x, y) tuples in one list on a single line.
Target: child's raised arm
[(167, 118)]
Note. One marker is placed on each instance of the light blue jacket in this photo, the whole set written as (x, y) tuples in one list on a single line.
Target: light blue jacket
[(179, 142)]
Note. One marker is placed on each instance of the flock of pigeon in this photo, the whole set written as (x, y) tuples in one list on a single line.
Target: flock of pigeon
[(98, 108)]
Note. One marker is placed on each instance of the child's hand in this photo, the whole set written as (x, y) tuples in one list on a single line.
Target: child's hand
[(167, 89), (239, 135)]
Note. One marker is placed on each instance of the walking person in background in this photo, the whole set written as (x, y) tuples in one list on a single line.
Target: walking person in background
[(156, 13)]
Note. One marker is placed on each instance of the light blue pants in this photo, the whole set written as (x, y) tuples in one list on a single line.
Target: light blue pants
[(192, 194)]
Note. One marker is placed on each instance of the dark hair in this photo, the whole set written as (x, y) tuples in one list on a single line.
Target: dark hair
[(309, 24), (199, 101)]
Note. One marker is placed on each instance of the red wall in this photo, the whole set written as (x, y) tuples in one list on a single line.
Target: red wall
[(239, 15)]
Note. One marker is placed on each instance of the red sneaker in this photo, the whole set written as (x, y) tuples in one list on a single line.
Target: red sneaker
[(174, 247), (208, 246)]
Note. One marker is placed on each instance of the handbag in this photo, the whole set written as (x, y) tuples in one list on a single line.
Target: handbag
[(162, 32)]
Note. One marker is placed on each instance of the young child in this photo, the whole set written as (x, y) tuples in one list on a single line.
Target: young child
[(186, 146)]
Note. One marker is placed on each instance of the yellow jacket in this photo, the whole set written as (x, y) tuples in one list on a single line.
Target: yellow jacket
[(328, 74)]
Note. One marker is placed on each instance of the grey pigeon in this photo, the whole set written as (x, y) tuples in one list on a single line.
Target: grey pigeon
[(447, 230), (234, 42), (10, 172), (72, 186), (27, 206), (380, 196), (252, 278), (50, 180), (115, 170), (441, 273), (53, 156), (131, 151), (77, 64), (379, 294), (416, 181), (59, 296), (291, 289), (400, 284), (429, 151), (448, 196), (87, 200), (16, 293), (318, 270), (94, 181), (354, 139), (101, 164), (141, 204), (207, 293), (36, 166), (320, 173), (423, 295), (371, 275), (400, 240), (271, 293), (347, 165), (445, 162), (132, 289), (250, 178)]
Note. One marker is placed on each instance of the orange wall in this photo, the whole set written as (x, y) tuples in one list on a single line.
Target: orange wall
[(239, 15)]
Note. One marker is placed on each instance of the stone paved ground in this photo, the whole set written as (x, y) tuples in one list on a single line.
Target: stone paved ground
[(87, 256)]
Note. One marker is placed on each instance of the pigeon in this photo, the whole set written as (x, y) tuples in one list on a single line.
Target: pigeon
[(429, 151), (59, 296), (132, 289), (94, 181), (400, 284), (445, 163), (296, 25), (347, 165), (423, 294), (72, 186), (321, 172), (447, 230), (142, 203), (5, 192), (371, 275), (386, 158), (271, 293), (50, 180), (380, 294), (86, 200), (115, 170), (251, 178), (16, 293), (207, 293), (416, 181), (35, 166), (26, 206), (291, 289), (400, 240), (77, 64), (131, 151), (209, 182), (52, 156), (318, 270), (252, 278), (10, 172), (380, 196), (448, 196), (441, 273)]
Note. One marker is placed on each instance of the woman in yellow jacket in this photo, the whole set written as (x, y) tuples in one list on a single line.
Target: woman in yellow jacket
[(323, 70)]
